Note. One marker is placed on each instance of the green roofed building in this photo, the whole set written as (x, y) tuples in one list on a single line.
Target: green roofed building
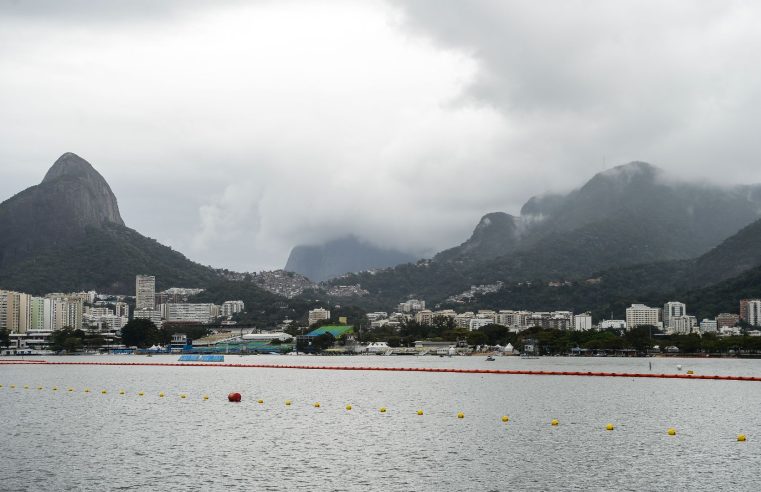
[(312, 341), (335, 330)]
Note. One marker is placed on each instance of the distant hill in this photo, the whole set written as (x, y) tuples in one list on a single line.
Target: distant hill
[(712, 283), (66, 234), (626, 216), (340, 256)]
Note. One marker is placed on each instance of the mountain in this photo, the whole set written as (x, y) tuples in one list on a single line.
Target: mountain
[(66, 234), (340, 256), (626, 216), (496, 234)]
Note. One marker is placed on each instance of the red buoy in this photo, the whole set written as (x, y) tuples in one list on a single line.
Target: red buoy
[(234, 397)]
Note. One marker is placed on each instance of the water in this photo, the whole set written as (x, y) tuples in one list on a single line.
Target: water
[(60, 440)]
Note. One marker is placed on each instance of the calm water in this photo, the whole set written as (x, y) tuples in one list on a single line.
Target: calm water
[(60, 440)]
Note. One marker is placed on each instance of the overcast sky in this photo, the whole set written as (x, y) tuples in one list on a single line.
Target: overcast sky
[(234, 131)]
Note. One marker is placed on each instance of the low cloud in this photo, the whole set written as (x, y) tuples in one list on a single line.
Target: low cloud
[(236, 132)]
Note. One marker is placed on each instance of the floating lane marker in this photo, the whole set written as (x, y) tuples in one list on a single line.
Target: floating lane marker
[(409, 369)]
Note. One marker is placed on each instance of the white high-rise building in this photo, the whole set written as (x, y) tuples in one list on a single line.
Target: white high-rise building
[(121, 309), (708, 326), (201, 313), (145, 292), (150, 314), (318, 314), (671, 310), (230, 308), (477, 323), (641, 315), (683, 325), (754, 312), (582, 322)]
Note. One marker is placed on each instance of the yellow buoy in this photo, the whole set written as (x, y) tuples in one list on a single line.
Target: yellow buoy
[(505, 418), (183, 396), (690, 372), (609, 427), (55, 388), (205, 397), (140, 393), (87, 390), (317, 404), (348, 407), (554, 422), (26, 386), (1, 385), (287, 402), (70, 390), (382, 409), (260, 401), (121, 392), (13, 386), (460, 415), (420, 412), (671, 431), (741, 437), (161, 394), (103, 392)]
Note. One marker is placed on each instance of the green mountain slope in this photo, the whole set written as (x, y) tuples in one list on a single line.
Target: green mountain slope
[(66, 234)]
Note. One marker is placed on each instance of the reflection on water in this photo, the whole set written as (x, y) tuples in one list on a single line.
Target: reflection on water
[(57, 440)]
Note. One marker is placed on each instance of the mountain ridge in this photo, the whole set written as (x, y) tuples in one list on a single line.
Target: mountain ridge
[(66, 233)]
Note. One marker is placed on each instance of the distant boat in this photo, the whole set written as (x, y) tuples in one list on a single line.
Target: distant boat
[(490, 358)]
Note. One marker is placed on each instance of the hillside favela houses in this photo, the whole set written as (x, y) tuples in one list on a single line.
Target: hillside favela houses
[(30, 322)]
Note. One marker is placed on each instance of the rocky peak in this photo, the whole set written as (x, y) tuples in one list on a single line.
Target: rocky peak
[(83, 189)]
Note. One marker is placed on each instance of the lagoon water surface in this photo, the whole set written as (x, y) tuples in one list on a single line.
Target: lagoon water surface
[(77, 440)]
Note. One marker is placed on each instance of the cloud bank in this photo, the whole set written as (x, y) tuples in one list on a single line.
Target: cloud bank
[(234, 132)]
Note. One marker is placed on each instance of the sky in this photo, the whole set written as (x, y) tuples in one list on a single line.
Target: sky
[(233, 131)]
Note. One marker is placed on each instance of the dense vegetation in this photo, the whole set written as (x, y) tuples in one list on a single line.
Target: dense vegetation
[(107, 260)]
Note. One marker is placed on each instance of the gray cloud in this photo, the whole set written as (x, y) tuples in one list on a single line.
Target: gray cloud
[(233, 133)]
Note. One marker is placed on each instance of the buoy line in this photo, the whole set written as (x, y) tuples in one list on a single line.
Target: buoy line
[(513, 372)]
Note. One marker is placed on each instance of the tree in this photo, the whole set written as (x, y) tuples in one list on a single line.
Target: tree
[(5, 338), (67, 338), (141, 333)]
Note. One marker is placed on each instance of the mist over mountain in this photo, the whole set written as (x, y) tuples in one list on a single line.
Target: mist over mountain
[(625, 216), (66, 233), (340, 256)]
